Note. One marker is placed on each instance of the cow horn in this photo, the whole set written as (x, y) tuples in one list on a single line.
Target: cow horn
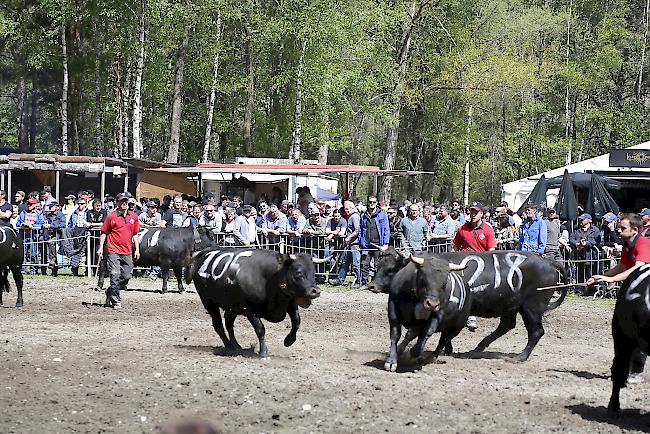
[(321, 261), (456, 267), (402, 254), (293, 257), (417, 260)]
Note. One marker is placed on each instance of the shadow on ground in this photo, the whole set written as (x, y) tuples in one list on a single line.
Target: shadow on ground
[(627, 420)]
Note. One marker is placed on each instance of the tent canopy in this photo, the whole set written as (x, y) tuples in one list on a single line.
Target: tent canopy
[(537, 196), (567, 205), (583, 180)]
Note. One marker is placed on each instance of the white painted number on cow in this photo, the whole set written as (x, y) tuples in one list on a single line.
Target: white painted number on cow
[(457, 282), (3, 237), (153, 241), (142, 233), (480, 266), (645, 273), (514, 260), (214, 258)]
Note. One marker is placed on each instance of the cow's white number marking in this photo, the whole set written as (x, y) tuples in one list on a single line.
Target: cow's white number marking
[(497, 271), (457, 282), (480, 266), (3, 237), (514, 260), (229, 260), (645, 272), (153, 241), (142, 233)]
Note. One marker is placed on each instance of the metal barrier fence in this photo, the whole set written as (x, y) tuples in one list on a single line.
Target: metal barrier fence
[(43, 249)]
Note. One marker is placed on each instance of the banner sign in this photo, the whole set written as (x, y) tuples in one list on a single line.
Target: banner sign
[(629, 158)]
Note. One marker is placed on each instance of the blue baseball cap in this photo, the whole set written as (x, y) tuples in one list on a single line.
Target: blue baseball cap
[(644, 212), (585, 216)]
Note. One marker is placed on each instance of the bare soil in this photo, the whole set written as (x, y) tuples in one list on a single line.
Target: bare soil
[(72, 367)]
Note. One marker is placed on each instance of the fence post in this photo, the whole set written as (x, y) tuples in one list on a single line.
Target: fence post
[(89, 256)]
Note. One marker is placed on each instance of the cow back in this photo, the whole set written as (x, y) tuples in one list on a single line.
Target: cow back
[(166, 246), (11, 247)]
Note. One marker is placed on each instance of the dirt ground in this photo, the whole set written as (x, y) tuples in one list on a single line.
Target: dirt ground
[(68, 367)]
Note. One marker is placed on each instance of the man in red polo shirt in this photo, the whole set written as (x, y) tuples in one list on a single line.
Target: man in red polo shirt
[(475, 235), (120, 234), (636, 252)]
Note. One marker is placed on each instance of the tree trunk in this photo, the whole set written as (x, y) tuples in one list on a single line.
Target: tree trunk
[(213, 93), (297, 129), (250, 96), (33, 118), (100, 148), (126, 103), (567, 117), (119, 131), (643, 50), (470, 120), (64, 95), (393, 127), (21, 116), (177, 102), (137, 92), (323, 147)]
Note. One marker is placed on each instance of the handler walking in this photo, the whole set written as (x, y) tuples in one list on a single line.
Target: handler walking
[(120, 234)]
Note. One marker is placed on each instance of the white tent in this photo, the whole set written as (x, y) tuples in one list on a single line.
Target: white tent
[(516, 192)]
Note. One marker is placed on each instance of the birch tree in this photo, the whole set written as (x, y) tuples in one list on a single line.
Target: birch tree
[(64, 95), (137, 91), (177, 101), (213, 92)]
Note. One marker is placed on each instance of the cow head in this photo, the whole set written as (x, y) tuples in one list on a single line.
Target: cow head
[(430, 283), (301, 279), (203, 238), (391, 262)]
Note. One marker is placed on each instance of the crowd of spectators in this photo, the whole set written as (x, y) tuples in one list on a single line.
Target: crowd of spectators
[(354, 234)]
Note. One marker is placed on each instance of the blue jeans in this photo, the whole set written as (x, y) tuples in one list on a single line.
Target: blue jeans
[(351, 257)]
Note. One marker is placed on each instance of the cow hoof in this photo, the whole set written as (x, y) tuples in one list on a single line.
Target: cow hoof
[(390, 366), (289, 340), (264, 356), (520, 358), (18, 305), (479, 349)]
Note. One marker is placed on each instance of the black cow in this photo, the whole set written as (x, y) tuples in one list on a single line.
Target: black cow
[(171, 248), (630, 328), (260, 284), (426, 297), (11, 259), (502, 283)]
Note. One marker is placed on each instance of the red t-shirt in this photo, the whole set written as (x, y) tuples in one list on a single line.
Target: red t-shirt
[(640, 251), (119, 230), (480, 239)]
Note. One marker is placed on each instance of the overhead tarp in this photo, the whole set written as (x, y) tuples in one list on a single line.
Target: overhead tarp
[(583, 180), (600, 201), (323, 194), (537, 196), (566, 205)]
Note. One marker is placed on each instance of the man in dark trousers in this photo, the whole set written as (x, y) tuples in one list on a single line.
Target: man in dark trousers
[(636, 252), (120, 234), (373, 231)]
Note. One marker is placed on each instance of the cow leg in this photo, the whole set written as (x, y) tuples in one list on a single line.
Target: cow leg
[(410, 335), (215, 314), (295, 323), (506, 324), (256, 322), (178, 272), (164, 271), (229, 317), (395, 334), (424, 336), (18, 278), (533, 323), (623, 349)]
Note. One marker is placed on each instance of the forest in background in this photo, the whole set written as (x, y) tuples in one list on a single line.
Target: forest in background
[(517, 87)]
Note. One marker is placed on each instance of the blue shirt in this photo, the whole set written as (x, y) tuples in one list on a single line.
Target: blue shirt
[(534, 235)]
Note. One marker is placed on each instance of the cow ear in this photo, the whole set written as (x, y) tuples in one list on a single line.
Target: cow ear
[(286, 259)]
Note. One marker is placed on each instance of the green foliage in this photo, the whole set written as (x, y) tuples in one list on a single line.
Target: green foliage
[(506, 59)]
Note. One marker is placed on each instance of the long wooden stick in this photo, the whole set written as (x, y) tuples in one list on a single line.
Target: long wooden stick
[(568, 285)]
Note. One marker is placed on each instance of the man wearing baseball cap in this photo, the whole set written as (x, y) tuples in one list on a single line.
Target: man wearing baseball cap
[(474, 235), (585, 237), (119, 234), (645, 218)]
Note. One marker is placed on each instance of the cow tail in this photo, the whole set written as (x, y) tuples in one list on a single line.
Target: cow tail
[(563, 291)]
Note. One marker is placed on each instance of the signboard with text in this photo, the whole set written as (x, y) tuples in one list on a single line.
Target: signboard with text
[(629, 158)]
